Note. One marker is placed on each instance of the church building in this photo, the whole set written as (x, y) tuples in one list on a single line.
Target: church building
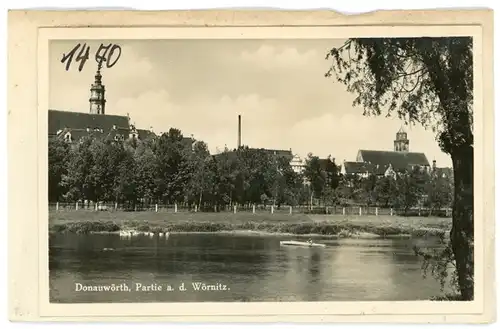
[(387, 163), (73, 126)]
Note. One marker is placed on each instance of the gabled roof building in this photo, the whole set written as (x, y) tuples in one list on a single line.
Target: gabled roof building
[(387, 163), (73, 126)]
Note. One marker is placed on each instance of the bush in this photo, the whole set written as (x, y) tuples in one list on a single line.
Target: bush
[(316, 211), (422, 213), (86, 227), (144, 227)]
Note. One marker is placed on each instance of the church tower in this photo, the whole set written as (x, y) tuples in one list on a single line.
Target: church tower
[(401, 144), (97, 99)]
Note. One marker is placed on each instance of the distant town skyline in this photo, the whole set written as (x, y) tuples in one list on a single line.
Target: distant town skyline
[(201, 86)]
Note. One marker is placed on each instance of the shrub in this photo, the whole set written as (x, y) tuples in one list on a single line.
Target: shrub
[(315, 211), (86, 227)]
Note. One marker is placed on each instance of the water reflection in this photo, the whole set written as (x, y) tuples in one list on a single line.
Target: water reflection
[(255, 268)]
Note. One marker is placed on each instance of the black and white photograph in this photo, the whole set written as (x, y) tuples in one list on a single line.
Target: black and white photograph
[(261, 170)]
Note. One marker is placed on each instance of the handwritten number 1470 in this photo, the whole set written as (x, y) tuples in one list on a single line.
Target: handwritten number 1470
[(105, 53)]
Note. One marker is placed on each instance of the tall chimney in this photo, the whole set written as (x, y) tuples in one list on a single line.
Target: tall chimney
[(239, 131)]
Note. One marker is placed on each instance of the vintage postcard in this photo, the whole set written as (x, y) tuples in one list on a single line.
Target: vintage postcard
[(251, 166)]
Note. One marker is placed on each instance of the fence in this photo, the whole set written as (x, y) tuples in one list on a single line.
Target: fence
[(272, 209)]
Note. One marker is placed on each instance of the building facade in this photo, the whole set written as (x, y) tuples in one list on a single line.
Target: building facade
[(387, 163), (298, 164)]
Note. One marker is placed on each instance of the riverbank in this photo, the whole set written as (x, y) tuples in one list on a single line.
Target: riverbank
[(85, 222)]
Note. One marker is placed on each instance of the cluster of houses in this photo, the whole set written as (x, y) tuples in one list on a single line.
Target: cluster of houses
[(384, 163), (72, 126)]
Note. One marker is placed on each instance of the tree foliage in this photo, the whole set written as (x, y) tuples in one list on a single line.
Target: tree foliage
[(427, 81), (173, 169), (423, 80), (323, 177), (58, 165)]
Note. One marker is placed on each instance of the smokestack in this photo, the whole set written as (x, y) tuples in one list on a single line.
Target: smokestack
[(239, 131)]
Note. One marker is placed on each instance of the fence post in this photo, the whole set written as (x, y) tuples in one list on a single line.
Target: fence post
[(116, 206), (360, 211), (156, 207), (290, 210), (391, 211), (57, 206), (376, 211), (96, 205), (76, 206), (272, 209), (343, 211), (253, 209), (195, 208), (175, 207)]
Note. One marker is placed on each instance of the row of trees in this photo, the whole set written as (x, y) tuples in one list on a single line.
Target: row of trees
[(169, 170), (413, 189)]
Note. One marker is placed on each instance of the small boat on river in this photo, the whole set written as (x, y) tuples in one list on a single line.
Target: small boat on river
[(302, 244)]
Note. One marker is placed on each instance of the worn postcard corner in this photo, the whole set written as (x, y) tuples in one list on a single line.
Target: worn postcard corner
[(251, 166)]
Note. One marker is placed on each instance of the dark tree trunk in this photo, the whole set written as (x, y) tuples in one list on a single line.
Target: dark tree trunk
[(462, 233), (457, 140)]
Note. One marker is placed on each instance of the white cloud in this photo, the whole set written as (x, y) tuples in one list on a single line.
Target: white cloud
[(269, 57)]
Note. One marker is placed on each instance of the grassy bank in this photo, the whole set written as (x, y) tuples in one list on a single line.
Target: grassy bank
[(83, 222)]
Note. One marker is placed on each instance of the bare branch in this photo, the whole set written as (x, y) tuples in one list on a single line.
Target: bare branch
[(410, 73)]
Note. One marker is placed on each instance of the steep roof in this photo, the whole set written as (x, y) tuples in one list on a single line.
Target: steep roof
[(281, 153), (357, 167), (144, 134), (118, 131), (352, 168), (58, 120), (77, 134), (398, 160)]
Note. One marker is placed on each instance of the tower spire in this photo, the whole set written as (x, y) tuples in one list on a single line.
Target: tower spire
[(401, 143), (97, 92)]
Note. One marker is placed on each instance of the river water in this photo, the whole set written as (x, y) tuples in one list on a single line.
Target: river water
[(250, 268)]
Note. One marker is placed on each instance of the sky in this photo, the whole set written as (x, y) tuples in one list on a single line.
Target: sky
[(201, 86)]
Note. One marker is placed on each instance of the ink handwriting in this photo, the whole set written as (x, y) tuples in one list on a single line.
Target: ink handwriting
[(110, 54)]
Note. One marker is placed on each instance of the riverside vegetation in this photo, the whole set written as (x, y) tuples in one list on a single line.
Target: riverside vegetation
[(351, 226)]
